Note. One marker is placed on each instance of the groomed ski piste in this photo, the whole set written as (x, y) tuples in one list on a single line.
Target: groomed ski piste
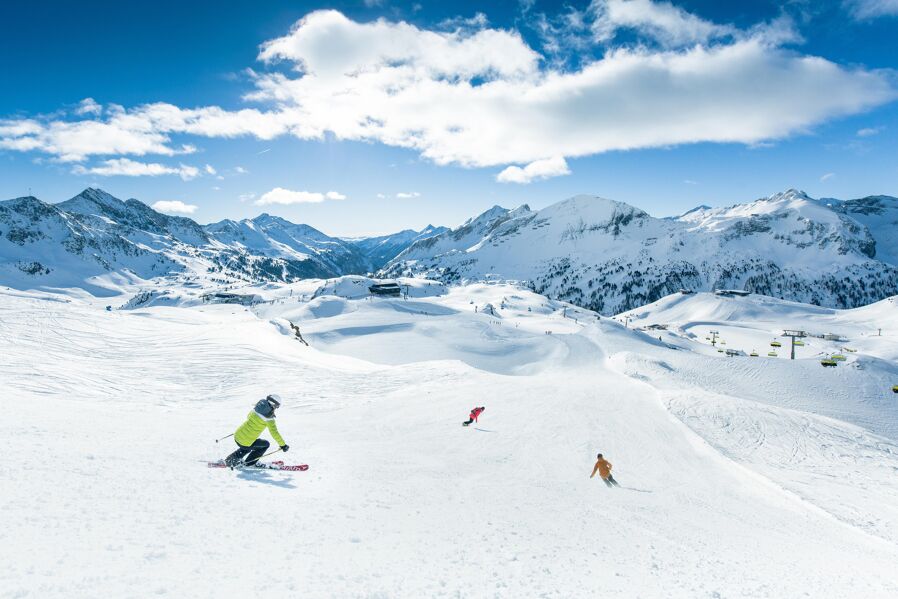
[(740, 477)]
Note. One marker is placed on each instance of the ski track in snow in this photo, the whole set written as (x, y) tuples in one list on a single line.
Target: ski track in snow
[(726, 491)]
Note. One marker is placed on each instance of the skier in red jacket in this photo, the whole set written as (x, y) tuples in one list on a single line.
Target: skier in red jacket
[(474, 414)]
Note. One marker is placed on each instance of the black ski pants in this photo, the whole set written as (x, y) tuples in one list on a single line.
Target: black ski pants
[(610, 481), (251, 454)]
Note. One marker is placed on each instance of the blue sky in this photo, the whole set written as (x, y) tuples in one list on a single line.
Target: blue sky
[(369, 117)]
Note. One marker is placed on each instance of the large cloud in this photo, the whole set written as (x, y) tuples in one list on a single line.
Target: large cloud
[(479, 96)]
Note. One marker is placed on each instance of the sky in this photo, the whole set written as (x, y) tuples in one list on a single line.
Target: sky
[(372, 116)]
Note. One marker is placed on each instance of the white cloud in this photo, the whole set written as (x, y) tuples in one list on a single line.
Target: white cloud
[(381, 196), (870, 9), (209, 169), (130, 168), (537, 170), (869, 131), (174, 206), (240, 170), (245, 197), (404, 195), (480, 96), (827, 177), (88, 106), (690, 182), (286, 197)]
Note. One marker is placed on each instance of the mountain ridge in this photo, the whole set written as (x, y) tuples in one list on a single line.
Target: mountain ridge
[(598, 253), (610, 256)]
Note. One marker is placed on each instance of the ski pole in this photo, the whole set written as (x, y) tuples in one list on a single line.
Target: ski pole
[(223, 438), (269, 453)]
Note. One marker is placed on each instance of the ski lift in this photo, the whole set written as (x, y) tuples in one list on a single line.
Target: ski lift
[(707, 338), (753, 354), (849, 350), (723, 342), (839, 357), (719, 351), (894, 388), (828, 362), (772, 354), (775, 344), (799, 343)]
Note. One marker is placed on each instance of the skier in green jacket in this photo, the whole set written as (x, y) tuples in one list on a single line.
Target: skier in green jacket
[(250, 446)]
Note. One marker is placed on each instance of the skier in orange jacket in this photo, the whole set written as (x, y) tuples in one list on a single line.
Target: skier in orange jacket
[(603, 467)]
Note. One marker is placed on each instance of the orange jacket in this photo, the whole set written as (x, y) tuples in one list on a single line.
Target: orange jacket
[(603, 466)]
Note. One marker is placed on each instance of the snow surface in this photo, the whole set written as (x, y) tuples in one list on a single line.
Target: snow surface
[(741, 477)]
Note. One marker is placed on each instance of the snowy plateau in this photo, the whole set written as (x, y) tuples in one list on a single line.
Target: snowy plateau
[(130, 341)]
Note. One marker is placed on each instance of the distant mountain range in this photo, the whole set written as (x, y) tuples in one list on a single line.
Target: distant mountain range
[(95, 233), (610, 257), (596, 253)]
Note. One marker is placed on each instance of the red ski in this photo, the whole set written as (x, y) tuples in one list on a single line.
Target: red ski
[(269, 466)]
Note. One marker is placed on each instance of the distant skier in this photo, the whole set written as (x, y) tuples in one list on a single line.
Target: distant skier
[(603, 467), (474, 414), (250, 446)]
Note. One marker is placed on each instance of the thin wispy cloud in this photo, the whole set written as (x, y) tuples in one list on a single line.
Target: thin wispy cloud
[(88, 106), (125, 167), (827, 177), (871, 9), (869, 131), (404, 195)]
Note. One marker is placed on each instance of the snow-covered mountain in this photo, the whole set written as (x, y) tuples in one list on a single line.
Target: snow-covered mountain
[(303, 250), (609, 256), (95, 233), (380, 250)]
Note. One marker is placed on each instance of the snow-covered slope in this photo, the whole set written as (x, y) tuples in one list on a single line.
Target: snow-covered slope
[(609, 256), (721, 495)]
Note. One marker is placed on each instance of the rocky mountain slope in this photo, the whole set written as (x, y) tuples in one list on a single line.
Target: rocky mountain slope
[(609, 256)]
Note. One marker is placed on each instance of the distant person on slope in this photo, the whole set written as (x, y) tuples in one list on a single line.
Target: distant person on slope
[(474, 414), (250, 446), (603, 467)]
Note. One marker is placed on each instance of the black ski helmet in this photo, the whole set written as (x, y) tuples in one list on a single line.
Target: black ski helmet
[(274, 401)]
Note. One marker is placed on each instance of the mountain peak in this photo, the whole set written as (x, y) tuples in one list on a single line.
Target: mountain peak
[(592, 208), (788, 195), (88, 201)]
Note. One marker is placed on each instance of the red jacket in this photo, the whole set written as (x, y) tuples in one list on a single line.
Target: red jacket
[(475, 413)]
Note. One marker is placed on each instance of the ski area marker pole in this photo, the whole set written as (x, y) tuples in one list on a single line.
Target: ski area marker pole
[(223, 438)]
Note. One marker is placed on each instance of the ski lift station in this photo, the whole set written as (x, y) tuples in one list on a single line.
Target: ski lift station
[(385, 289)]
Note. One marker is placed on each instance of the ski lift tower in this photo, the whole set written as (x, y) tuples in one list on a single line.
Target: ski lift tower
[(714, 335), (793, 335)]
